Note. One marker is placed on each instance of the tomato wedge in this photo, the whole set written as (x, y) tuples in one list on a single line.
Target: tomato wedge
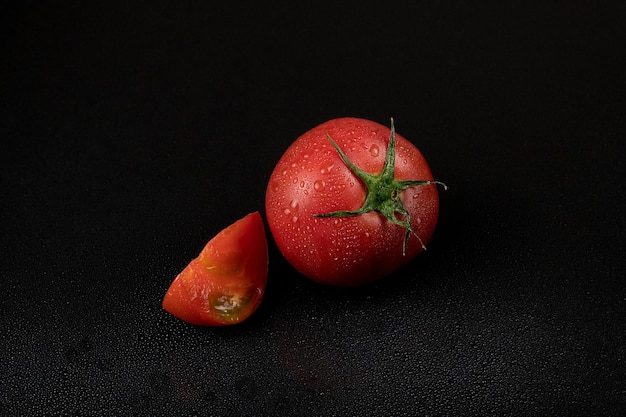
[(226, 282)]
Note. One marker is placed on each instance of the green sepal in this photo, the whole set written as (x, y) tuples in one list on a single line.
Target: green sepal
[(383, 191)]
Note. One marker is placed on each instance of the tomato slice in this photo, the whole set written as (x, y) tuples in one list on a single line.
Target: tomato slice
[(226, 282)]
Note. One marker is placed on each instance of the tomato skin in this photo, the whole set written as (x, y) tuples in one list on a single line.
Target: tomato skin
[(226, 282), (311, 179)]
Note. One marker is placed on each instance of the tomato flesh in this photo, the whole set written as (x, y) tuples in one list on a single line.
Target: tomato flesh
[(226, 282), (311, 179)]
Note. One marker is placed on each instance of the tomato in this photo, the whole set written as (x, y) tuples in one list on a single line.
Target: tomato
[(226, 282), (351, 201)]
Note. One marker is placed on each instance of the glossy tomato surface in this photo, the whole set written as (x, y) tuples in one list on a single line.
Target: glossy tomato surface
[(312, 179), (226, 282)]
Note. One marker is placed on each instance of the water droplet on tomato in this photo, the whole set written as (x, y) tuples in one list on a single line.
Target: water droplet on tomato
[(295, 180), (319, 185), (295, 206), (367, 237), (294, 219), (287, 211), (374, 150), (301, 184)]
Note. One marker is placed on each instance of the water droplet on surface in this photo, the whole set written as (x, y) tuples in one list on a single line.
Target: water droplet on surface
[(319, 185), (295, 206), (374, 150), (327, 169), (294, 219), (301, 184)]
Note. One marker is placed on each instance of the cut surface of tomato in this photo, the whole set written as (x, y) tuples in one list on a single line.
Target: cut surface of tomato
[(226, 282)]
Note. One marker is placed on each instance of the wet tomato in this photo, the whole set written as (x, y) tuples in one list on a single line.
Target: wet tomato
[(226, 282), (351, 201)]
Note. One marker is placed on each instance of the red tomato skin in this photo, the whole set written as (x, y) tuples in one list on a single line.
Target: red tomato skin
[(232, 267), (310, 178)]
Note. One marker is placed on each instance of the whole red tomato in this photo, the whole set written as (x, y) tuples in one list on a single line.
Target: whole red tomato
[(350, 201)]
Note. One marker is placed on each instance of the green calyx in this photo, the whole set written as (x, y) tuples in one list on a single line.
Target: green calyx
[(384, 192)]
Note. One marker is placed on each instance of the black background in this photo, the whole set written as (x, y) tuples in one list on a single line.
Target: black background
[(133, 132)]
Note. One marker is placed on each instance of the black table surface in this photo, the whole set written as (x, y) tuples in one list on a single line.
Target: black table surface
[(133, 132)]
